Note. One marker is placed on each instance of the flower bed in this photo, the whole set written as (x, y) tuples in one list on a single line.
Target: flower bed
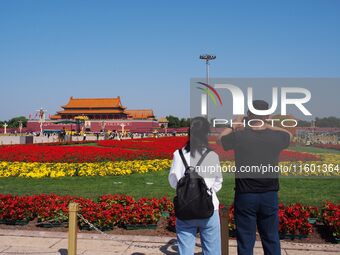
[(129, 212), (327, 165), (117, 210), (165, 144), (114, 150), (55, 170), (328, 146), (331, 218), (40, 170), (16, 210), (285, 155), (314, 214), (109, 211), (149, 148), (73, 154), (126, 157), (231, 220), (293, 221), (172, 222), (51, 210)]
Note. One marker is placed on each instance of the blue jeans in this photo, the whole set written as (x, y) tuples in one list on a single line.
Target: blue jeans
[(210, 235), (261, 210)]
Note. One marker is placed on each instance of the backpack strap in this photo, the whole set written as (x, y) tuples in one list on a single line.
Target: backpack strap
[(198, 163), (203, 157), (183, 159)]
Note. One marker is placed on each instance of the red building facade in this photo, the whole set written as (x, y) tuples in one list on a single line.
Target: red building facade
[(98, 114)]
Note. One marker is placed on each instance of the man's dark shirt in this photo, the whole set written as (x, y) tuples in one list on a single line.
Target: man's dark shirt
[(253, 148)]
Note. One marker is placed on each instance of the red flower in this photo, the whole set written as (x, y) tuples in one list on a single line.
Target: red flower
[(331, 218), (149, 148)]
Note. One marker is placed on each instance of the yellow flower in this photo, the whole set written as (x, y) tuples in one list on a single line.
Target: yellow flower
[(55, 170)]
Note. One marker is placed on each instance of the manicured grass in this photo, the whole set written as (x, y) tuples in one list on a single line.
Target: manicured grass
[(293, 190), (310, 149)]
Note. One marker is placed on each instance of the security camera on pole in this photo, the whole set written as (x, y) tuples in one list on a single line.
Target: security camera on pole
[(207, 58)]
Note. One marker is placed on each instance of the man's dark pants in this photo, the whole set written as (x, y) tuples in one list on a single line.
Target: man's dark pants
[(261, 210)]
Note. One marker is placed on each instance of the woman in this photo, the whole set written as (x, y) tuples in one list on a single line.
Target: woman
[(209, 228)]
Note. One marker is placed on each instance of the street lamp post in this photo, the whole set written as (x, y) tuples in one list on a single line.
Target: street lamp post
[(42, 118), (207, 58), (103, 124), (20, 126), (5, 128), (123, 125)]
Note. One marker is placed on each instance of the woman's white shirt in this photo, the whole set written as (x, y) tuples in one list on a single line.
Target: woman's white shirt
[(210, 171)]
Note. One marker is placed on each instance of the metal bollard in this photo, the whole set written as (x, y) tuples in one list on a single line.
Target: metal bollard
[(224, 231), (72, 229)]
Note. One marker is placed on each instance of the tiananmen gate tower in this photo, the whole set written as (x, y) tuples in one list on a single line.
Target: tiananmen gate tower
[(100, 109), (98, 114)]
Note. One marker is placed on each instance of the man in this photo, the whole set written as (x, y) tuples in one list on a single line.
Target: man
[(256, 198)]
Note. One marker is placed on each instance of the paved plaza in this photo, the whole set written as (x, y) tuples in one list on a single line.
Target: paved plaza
[(43, 242), (15, 139)]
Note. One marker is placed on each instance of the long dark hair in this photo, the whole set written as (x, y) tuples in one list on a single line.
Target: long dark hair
[(198, 136)]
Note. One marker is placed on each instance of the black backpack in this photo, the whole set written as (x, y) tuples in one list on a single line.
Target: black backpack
[(192, 199)]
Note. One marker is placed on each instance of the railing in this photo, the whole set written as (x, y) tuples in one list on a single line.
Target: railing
[(224, 231), (72, 229), (73, 222)]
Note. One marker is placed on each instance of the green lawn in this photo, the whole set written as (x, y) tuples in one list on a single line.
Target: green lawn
[(303, 190), (310, 149)]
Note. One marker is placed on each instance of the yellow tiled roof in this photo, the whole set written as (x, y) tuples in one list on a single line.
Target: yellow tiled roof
[(93, 103)]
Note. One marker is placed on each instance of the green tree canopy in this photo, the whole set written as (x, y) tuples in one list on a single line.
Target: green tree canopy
[(327, 122), (14, 122), (303, 123), (175, 122), (185, 122)]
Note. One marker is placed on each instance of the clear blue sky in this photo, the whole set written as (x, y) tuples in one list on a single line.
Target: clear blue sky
[(147, 51)]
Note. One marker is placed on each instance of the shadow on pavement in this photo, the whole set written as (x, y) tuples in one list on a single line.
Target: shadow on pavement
[(63, 251), (171, 248)]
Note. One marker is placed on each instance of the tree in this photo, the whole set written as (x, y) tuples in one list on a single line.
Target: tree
[(14, 122), (185, 122), (303, 123), (175, 122), (327, 122)]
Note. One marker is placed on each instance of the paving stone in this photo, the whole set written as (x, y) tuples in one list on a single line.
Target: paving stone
[(310, 246), (89, 244), (45, 243), (3, 247), (96, 252), (257, 251), (28, 241), (31, 250), (300, 252), (166, 248)]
